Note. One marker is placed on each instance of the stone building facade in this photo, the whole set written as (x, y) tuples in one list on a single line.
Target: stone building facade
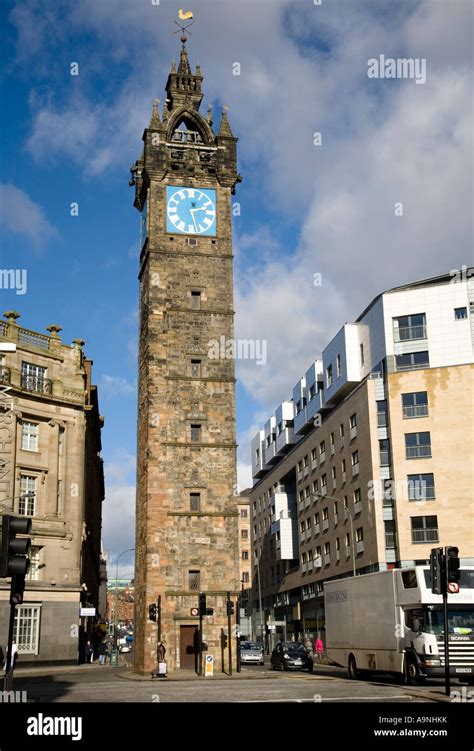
[(370, 464), (187, 515), (52, 471)]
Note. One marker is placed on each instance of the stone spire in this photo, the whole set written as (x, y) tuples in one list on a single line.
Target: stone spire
[(183, 88), (155, 121), (184, 67), (225, 129)]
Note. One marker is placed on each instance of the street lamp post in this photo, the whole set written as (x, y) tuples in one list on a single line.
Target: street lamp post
[(346, 509), (129, 550), (260, 602)]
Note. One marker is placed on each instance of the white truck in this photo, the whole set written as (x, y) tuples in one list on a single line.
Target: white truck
[(391, 622)]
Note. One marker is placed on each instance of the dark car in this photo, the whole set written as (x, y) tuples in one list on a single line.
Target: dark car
[(291, 656)]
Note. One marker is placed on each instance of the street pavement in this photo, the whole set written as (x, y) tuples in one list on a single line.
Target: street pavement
[(255, 684)]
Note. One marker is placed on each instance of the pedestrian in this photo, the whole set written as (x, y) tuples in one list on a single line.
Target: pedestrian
[(308, 644), (103, 652), (89, 652), (319, 648), (160, 669), (14, 656)]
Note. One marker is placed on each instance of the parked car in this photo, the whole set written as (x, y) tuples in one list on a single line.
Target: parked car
[(251, 653), (291, 656)]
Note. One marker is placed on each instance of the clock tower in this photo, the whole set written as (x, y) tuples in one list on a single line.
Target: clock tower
[(186, 505)]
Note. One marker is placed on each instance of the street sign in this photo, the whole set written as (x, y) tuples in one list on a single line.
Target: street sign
[(453, 588), (87, 611), (209, 670), (194, 611)]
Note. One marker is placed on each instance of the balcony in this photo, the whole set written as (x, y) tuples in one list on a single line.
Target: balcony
[(355, 469), (424, 535), (327, 559), (37, 384), (322, 457), (325, 525), (409, 333), (310, 565), (353, 433), (317, 530), (302, 536), (358, 507), (338, 555), (418, 452), (318, 561), (360, 546), (324, 489), (304, 568)]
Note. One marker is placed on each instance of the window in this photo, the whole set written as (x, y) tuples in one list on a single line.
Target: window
[(29, 436), (306, 461), (421, 487), (382, 414), (33, 377), (307, 492), (312, 391), (415, 404), (300, 466), (27, 495), (338, 366), (338, 544), (424, 529), (194, 580), (244, 534), (245, 577), (361, 349), (313, 455), (353, 421), (355, 462), (409, 327), (298, 407), (333, 474), (195, 300), (460, 314), (315, 486), (384, 450), (341, 431), (322, 450), (329, 376), (359, 534), (417, 445), (195, 501), (343, 466), (325, 514), (196, 368), (316, 519), (331, 441), (245, 555), (348, 540), (412, 360), (26, 628), (196, 433), (324, 484), (327, 548), (357, 496), (244, 513), (33, 572)]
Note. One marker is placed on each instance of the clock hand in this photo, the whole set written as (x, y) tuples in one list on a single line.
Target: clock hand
[(192, 212)]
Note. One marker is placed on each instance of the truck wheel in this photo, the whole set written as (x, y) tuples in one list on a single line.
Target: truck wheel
[(412, 672), (352, 668)]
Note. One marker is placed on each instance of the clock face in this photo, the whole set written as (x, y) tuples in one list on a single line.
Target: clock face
[(190, 211)]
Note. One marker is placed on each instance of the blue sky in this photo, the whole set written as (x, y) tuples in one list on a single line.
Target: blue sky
[(305, 209)]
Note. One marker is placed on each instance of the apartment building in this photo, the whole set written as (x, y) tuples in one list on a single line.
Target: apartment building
[(370, 463), (245, 557), (51, 470)]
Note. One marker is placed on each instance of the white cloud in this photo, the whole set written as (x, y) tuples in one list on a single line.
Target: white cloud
[(118, 523), (116, 386), (20, 215)]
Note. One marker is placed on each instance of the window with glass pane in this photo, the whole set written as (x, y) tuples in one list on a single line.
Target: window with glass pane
[(412, 360), (245, 555), (460, 314), (424, 529), (27, 500), (384, 448), (409, 327), (195, 300), (33, 572), (26, 628), (29, 436), (390, 538), (245, 577), (32, 376), (417, 445), (195, 368), (415, 404), (194, 501), (194, 581), (195, 433), (244, 513), (382, 413), (421, 487)]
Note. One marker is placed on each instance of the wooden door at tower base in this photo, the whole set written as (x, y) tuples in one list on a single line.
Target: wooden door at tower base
[(188, 647)]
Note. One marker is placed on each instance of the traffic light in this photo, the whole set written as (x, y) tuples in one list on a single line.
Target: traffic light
[(453, 573), (223, 640), (152, 612), (230, 607), (202, 604), (436, 567), (14, 559), (209, 611)]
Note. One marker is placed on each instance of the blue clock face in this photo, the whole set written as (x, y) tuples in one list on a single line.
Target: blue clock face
[(190, 211)]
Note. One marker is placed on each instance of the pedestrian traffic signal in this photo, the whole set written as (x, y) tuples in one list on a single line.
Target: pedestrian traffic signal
[(437, 568), (223, 640), (202, 604), (152, 612), (453, 574), (14, 550), (230, 607)]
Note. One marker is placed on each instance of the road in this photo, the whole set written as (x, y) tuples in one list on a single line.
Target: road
[(256, 684)]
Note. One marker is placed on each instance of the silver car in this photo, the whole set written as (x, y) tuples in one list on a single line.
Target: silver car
[(251, 653)]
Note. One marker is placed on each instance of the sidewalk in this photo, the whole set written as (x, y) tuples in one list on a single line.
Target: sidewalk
[(24, 672)]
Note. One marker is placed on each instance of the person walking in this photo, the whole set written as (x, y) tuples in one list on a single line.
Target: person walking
[(319, 648), (89, 652), (103, 652)]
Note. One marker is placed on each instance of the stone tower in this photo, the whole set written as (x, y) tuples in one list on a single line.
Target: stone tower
[(186, 521)]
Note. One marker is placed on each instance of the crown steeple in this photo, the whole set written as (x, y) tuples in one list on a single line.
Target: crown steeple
[(182, 87)]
